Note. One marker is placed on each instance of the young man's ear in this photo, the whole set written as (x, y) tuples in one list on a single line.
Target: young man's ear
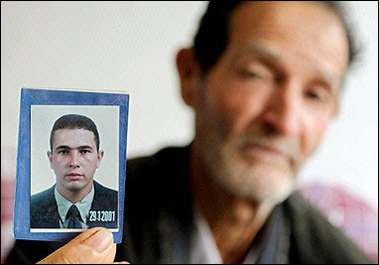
[(100, 155), (50, 156), (189, 73)]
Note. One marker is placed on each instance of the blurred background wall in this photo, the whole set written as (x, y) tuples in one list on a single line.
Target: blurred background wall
[(131, 46)]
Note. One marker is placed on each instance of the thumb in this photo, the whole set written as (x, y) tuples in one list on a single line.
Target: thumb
[(92, 246)]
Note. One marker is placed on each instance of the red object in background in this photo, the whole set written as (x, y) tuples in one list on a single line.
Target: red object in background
[(7, 196), (352, 215)]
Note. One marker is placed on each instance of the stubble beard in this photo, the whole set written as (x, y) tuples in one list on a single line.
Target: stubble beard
[(241, 178)]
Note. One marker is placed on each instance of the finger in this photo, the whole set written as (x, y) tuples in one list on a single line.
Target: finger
[(92, 246)]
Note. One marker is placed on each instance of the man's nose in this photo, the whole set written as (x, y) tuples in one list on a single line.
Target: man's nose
[(74, 159), (283, 113)]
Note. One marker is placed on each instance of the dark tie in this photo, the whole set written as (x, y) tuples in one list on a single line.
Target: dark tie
[(74, 216)]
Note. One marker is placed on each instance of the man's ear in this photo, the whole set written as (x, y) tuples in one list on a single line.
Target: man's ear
[(50, 156), (189, 73), (100, 155)]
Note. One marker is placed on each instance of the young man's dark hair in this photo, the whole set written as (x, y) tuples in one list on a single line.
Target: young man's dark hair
[(212, 35), (75, 121)]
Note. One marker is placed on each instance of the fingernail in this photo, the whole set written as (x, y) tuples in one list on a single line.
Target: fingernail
[(100, 240)]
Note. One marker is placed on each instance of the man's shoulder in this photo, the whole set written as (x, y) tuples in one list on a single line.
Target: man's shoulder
[(102, 189), (43, 210), (43, 196), (315, 239), (165, 172), (165, 159), (105, 198), (160, 180), (167, 152)]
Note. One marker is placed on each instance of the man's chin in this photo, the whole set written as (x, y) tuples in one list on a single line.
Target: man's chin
[(274, 194), (75, 186), (257, 185)]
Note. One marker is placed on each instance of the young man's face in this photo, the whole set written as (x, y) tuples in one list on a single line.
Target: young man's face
[(264, 106), (74, 159)]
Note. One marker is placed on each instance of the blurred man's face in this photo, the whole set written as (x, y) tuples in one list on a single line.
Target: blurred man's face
[(74, 159), (264, 106)]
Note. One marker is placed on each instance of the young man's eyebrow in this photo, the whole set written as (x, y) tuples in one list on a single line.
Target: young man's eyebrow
[(66, 147), (85, 147)]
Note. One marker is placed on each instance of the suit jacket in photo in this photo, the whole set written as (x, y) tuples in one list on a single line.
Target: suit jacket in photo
[(44, 210)]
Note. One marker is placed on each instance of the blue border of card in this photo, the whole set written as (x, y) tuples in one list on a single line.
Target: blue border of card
[(29, 96)]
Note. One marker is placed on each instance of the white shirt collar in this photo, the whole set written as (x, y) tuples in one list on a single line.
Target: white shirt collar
[(83, 206), (203, 248)]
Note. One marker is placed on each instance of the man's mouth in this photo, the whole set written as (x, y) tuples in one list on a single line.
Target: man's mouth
[(74, 176), (270, 152), (264, 149), (270, 148)]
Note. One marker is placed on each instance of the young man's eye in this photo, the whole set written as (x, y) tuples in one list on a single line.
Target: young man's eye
[(63, 152), (85, 151)]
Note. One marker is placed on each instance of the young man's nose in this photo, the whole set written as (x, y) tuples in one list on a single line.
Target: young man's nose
[(74, 159)]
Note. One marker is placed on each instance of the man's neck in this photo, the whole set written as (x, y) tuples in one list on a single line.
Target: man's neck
[(75, 196), (234, 221)]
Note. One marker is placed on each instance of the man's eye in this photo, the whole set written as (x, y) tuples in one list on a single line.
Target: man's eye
[(318, 96), (85, 151), (63, 152), (314, 96), (251, 74)]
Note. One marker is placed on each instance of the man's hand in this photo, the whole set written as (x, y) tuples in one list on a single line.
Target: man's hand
[(92, 246)]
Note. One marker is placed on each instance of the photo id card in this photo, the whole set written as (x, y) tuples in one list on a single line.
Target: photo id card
[(71, 163)]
